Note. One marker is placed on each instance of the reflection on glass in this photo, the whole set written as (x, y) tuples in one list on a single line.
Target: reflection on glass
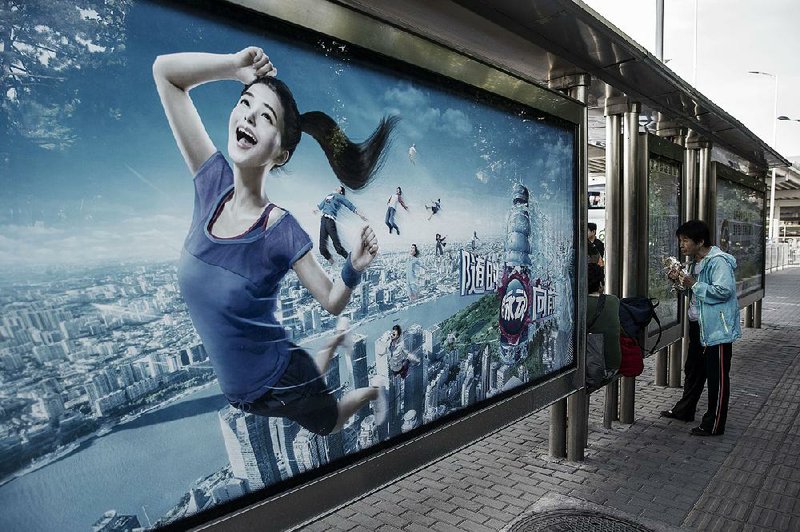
[(740, 232), (597, 197), (665, 209)]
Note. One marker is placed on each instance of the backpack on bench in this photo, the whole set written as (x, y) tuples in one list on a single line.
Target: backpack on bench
[(596, 373), (635, 314)]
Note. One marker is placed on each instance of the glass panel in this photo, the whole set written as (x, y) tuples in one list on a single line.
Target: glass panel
[(740, 232), (664, 187)]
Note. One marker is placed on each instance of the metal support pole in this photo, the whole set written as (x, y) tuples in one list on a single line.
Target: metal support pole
[(576, 410), (630, 239), (757, 314), (627, 396), (676, 363), (689, 191), (576, 407), (610, 410), (613, 205), (586, 421), (706, 187), (613, 395), (558, 429), (661, 367), (748, 316)]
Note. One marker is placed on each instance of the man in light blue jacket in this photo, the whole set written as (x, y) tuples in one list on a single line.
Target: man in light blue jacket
[(329, 207), (713, 327)]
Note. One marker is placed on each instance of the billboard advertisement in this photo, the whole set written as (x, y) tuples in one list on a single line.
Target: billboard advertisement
[(664, 211), (233, 254)]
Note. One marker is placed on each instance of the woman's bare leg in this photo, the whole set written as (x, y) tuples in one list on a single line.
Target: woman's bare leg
[(352, 403), (324, 355)]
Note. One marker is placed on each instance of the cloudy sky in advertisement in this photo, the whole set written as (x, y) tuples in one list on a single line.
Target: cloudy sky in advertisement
[(113, 185)]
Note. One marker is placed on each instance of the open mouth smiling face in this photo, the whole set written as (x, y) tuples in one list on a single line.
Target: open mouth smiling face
[(255, 128), (245, 138)]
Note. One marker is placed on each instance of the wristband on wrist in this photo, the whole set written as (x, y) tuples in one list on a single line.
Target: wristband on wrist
[(350, 275)]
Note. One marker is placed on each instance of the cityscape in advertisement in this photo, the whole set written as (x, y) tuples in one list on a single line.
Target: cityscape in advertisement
[(740, 232), (371, 309), (664, 210)]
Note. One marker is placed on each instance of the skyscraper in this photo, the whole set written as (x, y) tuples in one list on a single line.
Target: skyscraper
[(249, 445), (360, 377), (365, 286), (414, 393), (368, 433), (284, 431), (310, 450)]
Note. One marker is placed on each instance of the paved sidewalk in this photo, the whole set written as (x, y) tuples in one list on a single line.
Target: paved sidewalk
[(653, 471)]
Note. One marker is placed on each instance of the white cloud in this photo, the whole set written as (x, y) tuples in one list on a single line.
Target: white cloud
[(156, 237), (93, 48), (457, 122), (88, 14), (419, 116), (406, 96)]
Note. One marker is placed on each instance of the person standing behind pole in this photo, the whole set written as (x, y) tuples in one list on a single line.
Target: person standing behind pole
[(595, 247), (327, 224), (605, 322), (713, 327)]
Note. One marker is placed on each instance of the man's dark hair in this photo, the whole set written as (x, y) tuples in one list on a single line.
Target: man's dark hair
[(697, 231), (592, 226), (594, 277), (398, 329)]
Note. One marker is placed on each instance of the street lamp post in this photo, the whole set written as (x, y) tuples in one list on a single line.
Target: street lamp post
[(771, 236)]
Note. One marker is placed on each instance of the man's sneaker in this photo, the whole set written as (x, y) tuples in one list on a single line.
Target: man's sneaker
[(700, 431), (380, 406)]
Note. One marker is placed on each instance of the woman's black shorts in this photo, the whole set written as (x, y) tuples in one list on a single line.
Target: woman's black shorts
[(301, 395)]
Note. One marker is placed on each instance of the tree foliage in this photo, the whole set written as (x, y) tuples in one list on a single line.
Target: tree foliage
[(43, 43)]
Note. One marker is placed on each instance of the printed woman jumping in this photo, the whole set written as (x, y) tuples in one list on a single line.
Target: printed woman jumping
[(240, 244)]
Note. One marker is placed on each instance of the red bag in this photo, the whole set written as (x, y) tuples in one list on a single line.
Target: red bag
[(632, 363)]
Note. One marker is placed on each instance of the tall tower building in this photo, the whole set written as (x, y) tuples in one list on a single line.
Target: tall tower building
[(414, 393), (365, 287), (360, 377), (486, 371), (283, 432), (382, 355), (432, 343), (310, 450), (368, 433), (249, 445), (515, 289), (397, 387)]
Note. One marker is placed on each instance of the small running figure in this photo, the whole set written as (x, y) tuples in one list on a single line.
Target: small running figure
[(329, 207), (412, 154), (413, 267), (434, 207), (399, 359), (440, 244), (394, 199)]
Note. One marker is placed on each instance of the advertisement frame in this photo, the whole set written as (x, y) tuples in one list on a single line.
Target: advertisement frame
[(721, 171), (299, 499), (664, 149)]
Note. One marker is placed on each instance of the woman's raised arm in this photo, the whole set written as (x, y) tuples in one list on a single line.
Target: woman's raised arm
[(176, 74)]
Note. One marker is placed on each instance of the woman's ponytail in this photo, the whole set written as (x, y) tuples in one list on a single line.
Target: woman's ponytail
[(354, 164)]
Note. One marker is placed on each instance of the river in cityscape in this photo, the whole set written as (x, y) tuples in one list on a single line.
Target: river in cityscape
[(147, 465)]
